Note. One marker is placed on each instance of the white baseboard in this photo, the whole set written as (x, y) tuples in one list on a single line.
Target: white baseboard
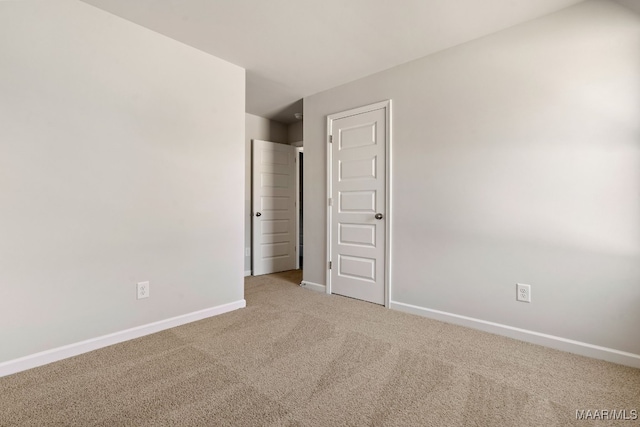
[(558, 343), (56, 354), (248, 273), (313, 286)]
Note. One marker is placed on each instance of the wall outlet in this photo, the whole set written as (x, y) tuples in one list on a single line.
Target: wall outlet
[(143, 290), (247, 251), (523, 292)]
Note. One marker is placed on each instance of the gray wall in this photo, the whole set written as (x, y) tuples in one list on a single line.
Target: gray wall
[(295, 132), (256, 127), (121, 160), (516, 158), (632, 4)]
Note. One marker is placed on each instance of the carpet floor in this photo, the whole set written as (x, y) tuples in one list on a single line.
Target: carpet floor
[(295, 357)]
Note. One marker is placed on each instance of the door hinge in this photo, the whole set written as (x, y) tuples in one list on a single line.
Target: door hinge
[(330, 138), (330, 201), (329, 265)]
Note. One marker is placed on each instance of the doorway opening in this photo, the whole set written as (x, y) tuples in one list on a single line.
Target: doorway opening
[(274, 202), (299, 204)]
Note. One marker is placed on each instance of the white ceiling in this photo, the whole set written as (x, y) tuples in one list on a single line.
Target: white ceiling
[(295, 48)]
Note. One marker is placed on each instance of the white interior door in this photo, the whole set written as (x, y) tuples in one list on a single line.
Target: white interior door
[(358, 203), (274, 214)]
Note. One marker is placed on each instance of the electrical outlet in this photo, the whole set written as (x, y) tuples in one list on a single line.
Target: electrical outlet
[(247, 251), (523, 292), (143, 290)]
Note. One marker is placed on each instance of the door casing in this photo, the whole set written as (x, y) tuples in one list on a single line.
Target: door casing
[(386, 105)]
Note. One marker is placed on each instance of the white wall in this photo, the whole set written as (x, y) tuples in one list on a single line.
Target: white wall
[(256, 127), (516, 158), (121, 160)]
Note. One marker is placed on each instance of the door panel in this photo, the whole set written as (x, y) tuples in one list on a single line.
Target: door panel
[(358, 169), (274, 197), (357, 234), (357, 201), (359, 135), (358, 268), (358, 186)]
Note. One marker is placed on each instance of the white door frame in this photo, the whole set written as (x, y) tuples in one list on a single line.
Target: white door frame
[(386, 105)]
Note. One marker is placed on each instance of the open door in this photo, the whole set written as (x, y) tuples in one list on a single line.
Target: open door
[(274, 210)]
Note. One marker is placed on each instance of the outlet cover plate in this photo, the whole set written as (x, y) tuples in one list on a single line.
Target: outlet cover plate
[(143, 290), (523, 292)]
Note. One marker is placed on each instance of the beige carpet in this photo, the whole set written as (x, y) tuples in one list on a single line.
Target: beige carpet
[(295, 357)]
